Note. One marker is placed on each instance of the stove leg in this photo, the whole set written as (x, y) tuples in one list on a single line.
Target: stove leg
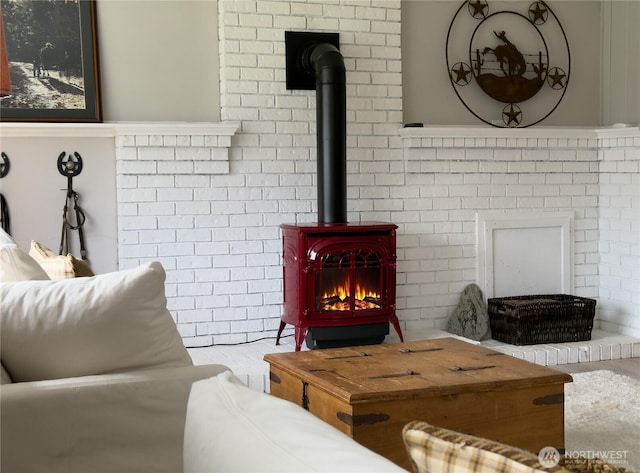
[(300, 334), (396, 324), (280, 329)]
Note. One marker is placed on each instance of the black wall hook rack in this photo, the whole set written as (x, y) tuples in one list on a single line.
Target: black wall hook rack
[(70, 165), (5, 165)]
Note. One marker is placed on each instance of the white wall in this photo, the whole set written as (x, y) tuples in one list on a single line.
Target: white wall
[(428, 94), (34, 188), (620, 64), (531, 170), (231, 260), (619, 234), (159, 60), (271, 174), (224, 254)]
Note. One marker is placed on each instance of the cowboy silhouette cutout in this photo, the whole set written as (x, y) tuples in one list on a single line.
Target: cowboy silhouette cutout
[(512, 86), (511, 60)]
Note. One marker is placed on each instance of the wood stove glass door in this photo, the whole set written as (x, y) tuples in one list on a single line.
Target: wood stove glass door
[(348, 281)]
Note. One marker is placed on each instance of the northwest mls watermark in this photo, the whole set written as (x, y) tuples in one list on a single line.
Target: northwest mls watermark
[(550, 456)]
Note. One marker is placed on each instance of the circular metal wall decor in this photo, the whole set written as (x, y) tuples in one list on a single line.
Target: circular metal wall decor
[(509, 68)]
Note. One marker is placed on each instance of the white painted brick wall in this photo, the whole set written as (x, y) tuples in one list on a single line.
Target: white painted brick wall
[(276, 147), (160, 185), (467, 177), (619, 227), (209, 206)]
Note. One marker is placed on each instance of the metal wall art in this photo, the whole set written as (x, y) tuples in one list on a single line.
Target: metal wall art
[(509, 68)]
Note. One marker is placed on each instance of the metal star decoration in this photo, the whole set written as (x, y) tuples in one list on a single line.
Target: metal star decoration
[(477, 8), (556, 76), (462, 72), (538, 13), (512, 116)]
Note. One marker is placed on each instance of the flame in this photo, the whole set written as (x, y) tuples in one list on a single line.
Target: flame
[(341, 292), (362, 292)]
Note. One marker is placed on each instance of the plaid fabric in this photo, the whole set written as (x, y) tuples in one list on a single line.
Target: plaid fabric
[(58, 266), (436, 450)]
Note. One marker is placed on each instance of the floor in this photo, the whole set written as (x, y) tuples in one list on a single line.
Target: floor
[(616, 352), (628, 367)]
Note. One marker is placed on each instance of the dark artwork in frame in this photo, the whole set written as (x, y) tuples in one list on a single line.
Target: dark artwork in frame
[(53, 61)]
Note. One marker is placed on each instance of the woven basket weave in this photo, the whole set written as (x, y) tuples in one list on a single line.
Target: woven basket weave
[(549, 318)]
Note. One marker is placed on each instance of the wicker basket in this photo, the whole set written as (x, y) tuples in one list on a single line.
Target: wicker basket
[(553, 318)]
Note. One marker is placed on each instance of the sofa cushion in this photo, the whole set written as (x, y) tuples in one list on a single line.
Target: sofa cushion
[(15, 264), (59, 266), (75, 327), (434, 450), (129, 422), (4, 376), (233, 428)]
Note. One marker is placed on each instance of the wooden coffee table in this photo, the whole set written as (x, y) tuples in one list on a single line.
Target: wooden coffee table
[(371, 392)]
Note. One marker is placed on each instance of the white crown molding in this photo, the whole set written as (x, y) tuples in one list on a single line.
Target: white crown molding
[(56, 130), (161, 128), (465, 136)]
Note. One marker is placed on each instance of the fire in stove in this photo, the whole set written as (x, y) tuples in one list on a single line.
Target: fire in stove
[(339, 283), (339, 298)]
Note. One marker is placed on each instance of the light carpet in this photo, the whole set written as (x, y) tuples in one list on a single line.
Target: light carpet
[(602, 417)]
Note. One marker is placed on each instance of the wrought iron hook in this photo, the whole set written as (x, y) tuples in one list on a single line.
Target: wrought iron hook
[(71, 166), (5, 218), (5, 165)]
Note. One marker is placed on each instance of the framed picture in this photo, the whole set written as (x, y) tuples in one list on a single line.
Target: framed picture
[(52, 55)]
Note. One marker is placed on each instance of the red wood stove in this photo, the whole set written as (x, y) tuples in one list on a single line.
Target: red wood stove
[(340, 282)]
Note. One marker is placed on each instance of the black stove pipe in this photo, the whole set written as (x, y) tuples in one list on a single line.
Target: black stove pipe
[(327, 63)]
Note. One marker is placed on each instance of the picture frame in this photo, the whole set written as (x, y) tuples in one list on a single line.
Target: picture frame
[(52, 51)]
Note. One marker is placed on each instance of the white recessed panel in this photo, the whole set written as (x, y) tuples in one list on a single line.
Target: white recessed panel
[(525, 253)]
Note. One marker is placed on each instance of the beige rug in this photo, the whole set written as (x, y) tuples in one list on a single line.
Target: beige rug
[(602, 417)]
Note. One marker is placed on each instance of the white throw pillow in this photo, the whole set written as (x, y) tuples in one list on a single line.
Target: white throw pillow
[(84, 326), (5, 238), (233, 428), (15, 264)]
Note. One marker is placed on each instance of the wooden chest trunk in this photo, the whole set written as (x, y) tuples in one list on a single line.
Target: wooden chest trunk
[(371, 392)]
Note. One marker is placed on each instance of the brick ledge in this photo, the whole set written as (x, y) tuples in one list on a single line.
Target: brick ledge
[(516, 133)]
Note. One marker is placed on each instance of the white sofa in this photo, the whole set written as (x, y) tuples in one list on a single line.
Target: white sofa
[(95, 378), (123, 422)]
